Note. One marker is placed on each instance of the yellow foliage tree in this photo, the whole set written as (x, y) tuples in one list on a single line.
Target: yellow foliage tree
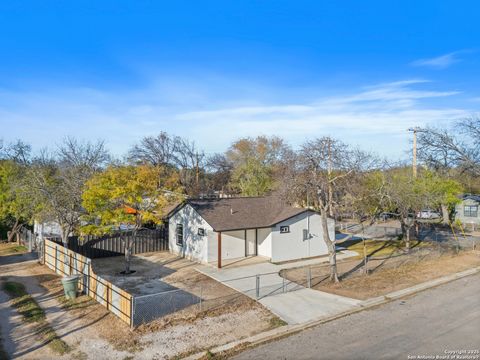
[(129, 195)]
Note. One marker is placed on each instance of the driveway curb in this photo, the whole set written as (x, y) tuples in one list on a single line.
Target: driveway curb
[(288, 330)]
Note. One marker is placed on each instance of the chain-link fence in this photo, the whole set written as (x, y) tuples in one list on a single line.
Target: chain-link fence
[(198, 299)]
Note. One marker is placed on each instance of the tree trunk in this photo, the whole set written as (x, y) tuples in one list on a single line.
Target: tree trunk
[(129, 242), (445, 215), (65, 232), (406, 233), (332, 254), (407, 240), (365, 270), (14, 231)]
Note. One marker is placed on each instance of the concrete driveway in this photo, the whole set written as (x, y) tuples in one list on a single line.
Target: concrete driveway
[(291, 302)]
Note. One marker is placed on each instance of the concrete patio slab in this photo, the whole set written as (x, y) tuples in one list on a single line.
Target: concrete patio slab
[(304, 305), (290, 301)]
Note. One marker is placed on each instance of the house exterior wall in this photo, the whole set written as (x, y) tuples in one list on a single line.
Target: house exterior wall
[(233, 244), (460, 213), (195, 246), (50, 228), (264, 242), (291, 246)]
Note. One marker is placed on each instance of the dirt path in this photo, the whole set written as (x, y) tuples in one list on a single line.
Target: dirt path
[(94, 333), (75, 331), (19, 340)]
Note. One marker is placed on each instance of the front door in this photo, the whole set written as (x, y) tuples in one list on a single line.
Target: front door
[(250, 239)]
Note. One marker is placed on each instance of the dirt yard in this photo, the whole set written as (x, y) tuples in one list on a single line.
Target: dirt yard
[(95, 333), (387, 273), (11, 248)]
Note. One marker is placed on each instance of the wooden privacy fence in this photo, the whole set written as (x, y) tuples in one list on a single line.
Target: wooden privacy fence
[(114, 244), (68, 262)]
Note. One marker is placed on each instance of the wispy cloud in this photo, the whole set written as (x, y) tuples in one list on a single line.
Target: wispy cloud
[(439, 62), (375, 116)]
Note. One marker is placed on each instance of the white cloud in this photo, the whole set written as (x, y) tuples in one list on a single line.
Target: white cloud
[(375, 117), (439, 62)]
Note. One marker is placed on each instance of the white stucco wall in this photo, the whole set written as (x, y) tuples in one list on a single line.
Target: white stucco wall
[(265, 242), (194, 247), (291, 246), (233, 244)]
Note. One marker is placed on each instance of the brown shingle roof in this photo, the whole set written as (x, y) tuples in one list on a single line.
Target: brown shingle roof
[(244, 212)]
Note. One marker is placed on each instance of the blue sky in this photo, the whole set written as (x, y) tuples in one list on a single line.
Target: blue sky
[(361, 71)]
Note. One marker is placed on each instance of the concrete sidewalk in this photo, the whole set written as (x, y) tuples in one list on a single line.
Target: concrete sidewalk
[(293, 303)]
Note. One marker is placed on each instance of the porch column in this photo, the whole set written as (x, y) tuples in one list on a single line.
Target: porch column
[(219, 239)]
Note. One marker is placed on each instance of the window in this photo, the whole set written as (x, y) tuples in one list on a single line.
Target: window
[(179, 234), (284, 229), (201, 232), (470, 211)]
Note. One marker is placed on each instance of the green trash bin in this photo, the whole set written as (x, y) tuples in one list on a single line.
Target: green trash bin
[(70, 286)]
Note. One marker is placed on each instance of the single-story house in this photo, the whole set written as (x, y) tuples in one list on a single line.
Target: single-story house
[(219, 230), (467, 210)]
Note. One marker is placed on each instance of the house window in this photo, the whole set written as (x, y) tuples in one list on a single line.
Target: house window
[(284, 229), (470, 211), (179, 234), (201, 232)]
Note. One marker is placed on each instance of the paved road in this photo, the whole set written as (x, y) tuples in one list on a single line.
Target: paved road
[(429, 323)]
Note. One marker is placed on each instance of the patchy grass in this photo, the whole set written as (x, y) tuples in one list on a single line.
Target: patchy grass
[(277, 322), (81, 302), (11, 248), (23, 302), (377, 248), (26, 306), (387, 275)]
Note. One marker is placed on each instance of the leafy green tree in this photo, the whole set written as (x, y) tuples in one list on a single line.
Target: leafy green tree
[(129, 195), (441, 192), (16, 209), (256, 164)]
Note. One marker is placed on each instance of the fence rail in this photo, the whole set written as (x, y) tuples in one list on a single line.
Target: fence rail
[(95, 247), (68, 262)]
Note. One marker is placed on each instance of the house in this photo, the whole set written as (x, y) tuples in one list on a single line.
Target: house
[(217, 231), (467, 210)]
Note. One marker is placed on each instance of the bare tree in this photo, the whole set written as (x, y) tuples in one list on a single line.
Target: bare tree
[(218, 173), (173, 151), (18, 151), (442, 149), (321, 172), (57, 180)]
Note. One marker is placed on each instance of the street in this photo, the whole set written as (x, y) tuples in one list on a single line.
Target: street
[(430, 323)]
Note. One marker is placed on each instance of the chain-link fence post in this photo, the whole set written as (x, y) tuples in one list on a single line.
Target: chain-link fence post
[(309, 277), (283, 283), (132, 312), (257, 286)]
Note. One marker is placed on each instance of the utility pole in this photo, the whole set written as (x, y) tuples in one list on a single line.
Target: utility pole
[(197, 170), (414, 162)]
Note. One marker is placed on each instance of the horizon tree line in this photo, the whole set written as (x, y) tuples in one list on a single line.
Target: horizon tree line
[(79, 181)]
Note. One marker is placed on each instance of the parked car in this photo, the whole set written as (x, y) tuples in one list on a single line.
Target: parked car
[(428, 214)]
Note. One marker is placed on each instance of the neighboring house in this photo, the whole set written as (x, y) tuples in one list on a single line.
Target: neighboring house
[(467, 211), (220, 230), (47, 229)]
